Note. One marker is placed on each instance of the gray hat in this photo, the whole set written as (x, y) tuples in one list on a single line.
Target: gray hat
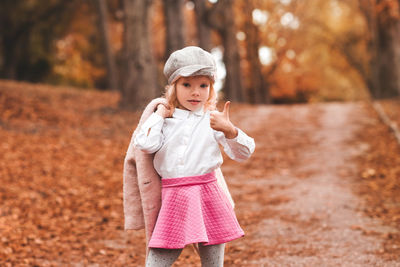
[(190, 61)]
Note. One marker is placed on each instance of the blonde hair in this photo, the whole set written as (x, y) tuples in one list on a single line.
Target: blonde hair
[(170, 95)]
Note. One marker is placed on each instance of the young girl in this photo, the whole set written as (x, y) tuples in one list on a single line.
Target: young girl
[(185, 138)]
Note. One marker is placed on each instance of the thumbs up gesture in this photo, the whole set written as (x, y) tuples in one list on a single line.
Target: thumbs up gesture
[(219, 121)]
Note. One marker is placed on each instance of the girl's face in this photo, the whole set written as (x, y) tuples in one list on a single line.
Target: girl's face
[(192, 92)]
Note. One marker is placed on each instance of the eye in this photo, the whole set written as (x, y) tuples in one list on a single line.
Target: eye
[(204, 85), (186, 84)]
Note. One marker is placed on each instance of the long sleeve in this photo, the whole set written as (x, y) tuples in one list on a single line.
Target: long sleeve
[(149, 138), (239, 148)]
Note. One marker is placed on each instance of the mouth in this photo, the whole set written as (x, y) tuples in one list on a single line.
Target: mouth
[(194, 102)]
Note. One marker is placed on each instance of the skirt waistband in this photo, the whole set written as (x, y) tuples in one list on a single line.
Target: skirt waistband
[(189, 180)]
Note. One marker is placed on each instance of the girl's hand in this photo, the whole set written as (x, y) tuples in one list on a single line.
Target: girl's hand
[(219, 121), (163, 111)]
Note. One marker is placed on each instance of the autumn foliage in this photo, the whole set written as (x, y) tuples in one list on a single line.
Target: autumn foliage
[(61, 163)]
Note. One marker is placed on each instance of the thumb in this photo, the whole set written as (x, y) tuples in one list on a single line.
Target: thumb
[(226, 109)]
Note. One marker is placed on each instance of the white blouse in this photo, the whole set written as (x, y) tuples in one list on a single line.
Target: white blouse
[(186, 145)]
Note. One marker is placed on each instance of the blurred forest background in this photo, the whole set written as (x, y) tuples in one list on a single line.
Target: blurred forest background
[(271, 51), (74, 76)]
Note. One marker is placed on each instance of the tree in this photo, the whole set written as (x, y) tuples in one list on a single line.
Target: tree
[(27, 32), (353, 38), (388, 48), (221, 18), (174, 23), (258, 88), (110, 60), (139, 84), (383, 73), (203, 29)]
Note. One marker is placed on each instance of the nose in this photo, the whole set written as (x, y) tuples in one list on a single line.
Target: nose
[(196, 91)]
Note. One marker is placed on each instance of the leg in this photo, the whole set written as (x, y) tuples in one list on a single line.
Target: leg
[(162, 257), (212, 255)]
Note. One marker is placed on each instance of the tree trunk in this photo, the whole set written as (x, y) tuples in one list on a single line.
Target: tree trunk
[(110, 60), (372, 76), (10, 60), (258, 91), (383, 77), (389, 55), (203, 30), (222, 19), (139, 84), (174, 23)]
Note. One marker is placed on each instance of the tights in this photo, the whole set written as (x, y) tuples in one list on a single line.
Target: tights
[(211, 256)]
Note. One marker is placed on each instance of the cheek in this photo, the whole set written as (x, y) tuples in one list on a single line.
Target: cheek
[(206, 93), (179, 92)]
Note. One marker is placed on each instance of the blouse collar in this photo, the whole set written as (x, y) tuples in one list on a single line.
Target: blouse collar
[(183, 114)]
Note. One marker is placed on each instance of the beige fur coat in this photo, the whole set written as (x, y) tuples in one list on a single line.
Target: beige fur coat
[(142, 184)]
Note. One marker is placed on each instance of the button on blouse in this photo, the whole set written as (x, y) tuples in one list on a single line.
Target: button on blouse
[(186, 145)]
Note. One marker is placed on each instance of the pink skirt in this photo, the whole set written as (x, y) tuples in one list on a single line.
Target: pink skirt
[(194, 210)]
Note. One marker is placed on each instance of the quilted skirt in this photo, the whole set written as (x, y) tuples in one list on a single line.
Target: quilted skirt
[(194, 209)]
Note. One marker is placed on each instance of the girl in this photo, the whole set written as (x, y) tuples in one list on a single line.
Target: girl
[(185, 136)]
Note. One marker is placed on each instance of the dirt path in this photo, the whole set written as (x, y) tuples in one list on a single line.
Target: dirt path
[(295, 199)]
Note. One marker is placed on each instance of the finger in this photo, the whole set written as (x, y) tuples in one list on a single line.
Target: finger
[(226, 109)]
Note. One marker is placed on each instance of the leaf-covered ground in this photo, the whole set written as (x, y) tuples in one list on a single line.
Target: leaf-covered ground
[(379, 179), (324, 179)]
